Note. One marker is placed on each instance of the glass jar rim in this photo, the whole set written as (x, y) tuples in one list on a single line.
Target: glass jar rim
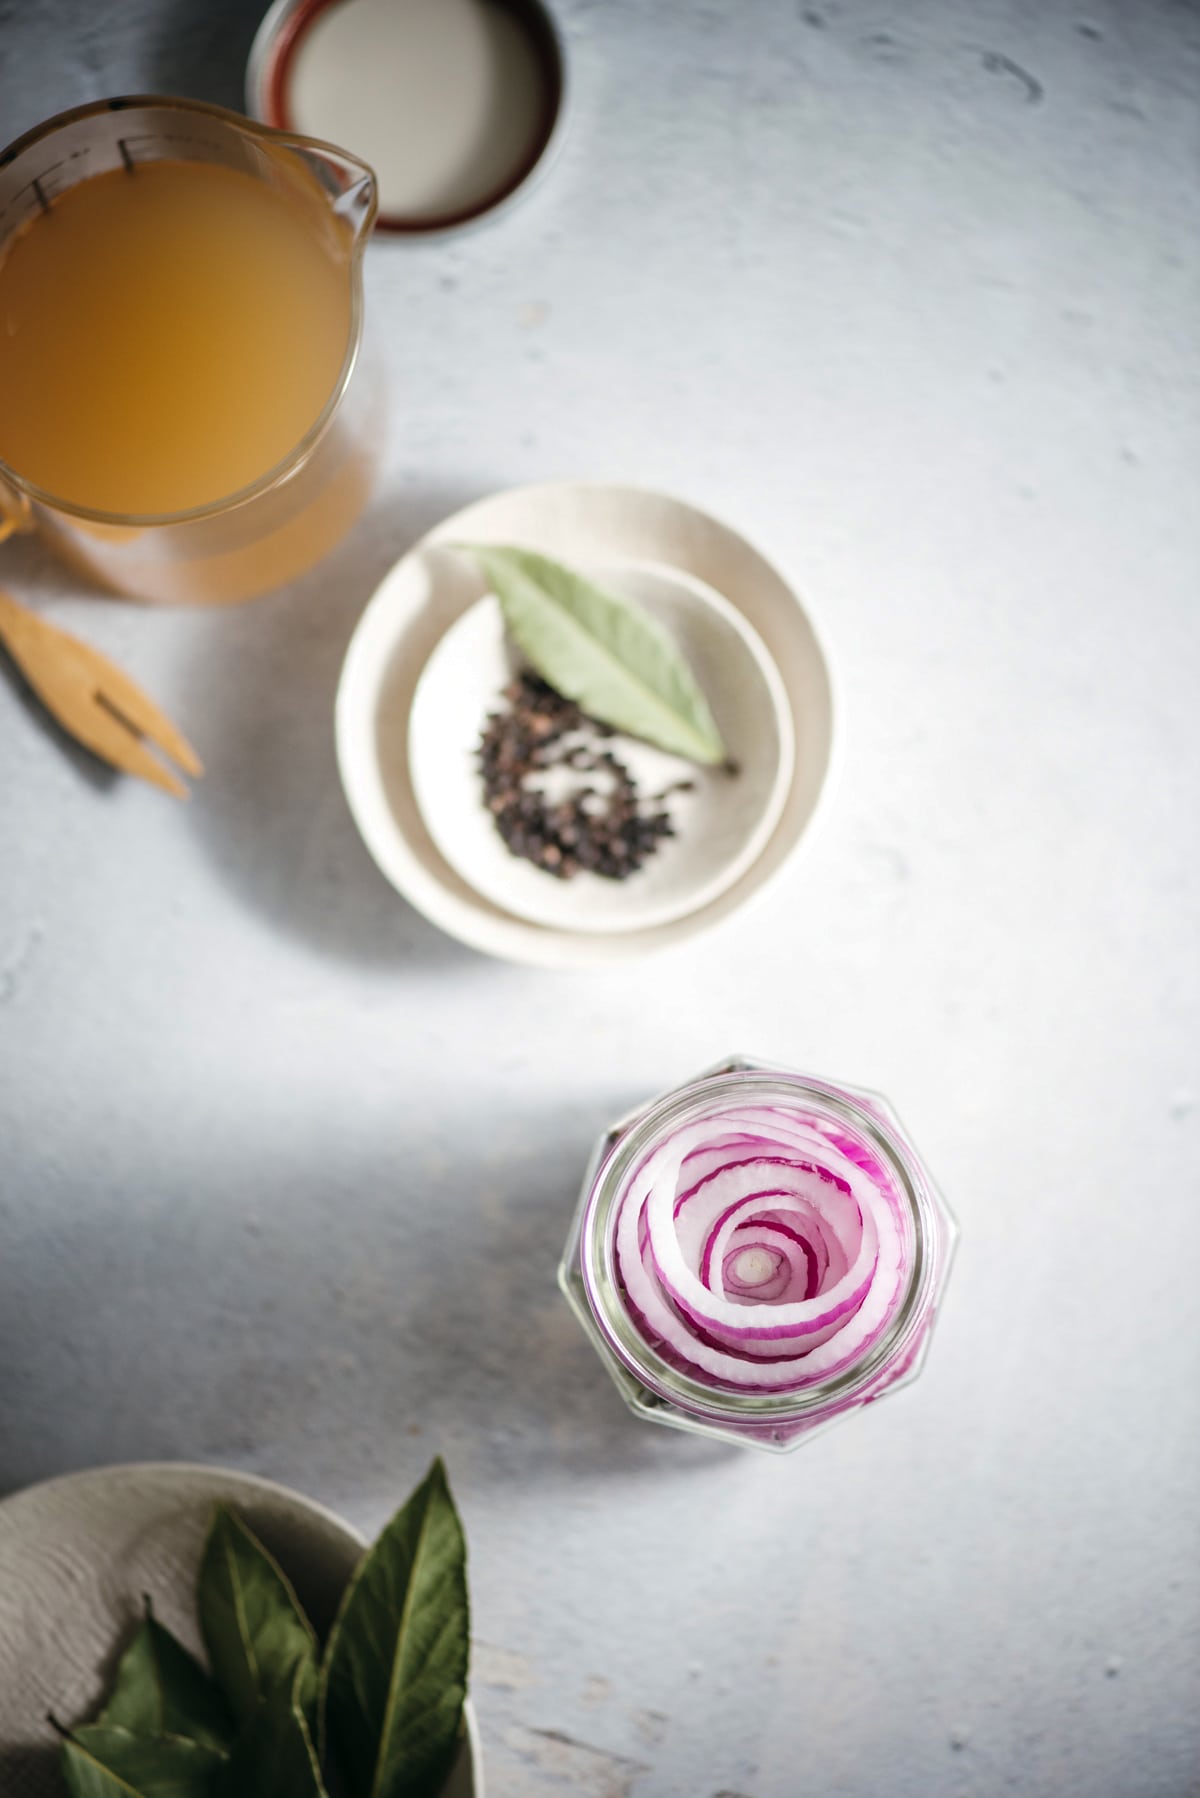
[(692, 1103)]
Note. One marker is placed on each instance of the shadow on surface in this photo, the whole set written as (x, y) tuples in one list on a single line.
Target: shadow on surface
[(259, 695), (90, 768), (32, 567), (32, 572), (203, 47), (28, 1771), (308, 1322)]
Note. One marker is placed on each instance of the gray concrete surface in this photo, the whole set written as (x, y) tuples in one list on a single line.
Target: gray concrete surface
[(910, 295)]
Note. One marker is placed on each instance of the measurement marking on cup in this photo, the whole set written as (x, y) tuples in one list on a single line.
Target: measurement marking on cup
[(126, 157), (43, 202)]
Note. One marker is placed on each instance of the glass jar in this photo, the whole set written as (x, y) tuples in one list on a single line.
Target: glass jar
[(757, 1253)]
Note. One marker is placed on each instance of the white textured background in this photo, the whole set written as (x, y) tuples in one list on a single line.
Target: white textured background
[(910, 295)]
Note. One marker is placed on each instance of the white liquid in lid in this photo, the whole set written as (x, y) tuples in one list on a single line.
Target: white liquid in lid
[(446, 99)]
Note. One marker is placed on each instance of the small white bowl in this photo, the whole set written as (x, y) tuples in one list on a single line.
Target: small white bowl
[(722, 823), (591, 526)]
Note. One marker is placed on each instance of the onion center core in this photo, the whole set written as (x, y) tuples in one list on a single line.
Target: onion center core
[(753, 1267)]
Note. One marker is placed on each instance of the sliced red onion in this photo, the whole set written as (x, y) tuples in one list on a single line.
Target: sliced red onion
[(764, 1248)]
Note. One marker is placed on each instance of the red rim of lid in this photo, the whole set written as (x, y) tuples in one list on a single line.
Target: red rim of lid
[(543, 37)]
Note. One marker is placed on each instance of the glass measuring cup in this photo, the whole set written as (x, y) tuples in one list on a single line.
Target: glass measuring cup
[(273, 528)]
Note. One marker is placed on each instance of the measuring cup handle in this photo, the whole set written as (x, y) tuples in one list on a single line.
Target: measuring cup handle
[(16, 513)]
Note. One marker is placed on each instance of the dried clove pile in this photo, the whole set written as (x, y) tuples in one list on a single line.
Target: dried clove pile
[(602, 825)]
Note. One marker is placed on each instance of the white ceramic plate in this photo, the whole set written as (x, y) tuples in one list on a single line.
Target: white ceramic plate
[(721, 824), (586, 525), (76, 1555)]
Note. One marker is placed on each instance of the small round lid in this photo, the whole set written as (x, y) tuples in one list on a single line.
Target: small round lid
[(453, 103)]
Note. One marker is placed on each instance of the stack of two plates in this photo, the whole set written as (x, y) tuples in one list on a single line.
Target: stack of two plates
[(429, 659)]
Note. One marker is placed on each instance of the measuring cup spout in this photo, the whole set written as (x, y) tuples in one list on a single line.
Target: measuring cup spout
[(348, 184), (358, 201)]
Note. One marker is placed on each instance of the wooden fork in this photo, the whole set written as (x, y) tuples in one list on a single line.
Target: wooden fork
[(94, 701)]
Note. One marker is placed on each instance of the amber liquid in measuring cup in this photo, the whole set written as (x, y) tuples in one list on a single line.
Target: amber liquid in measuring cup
[(210, 334), (176, 338)]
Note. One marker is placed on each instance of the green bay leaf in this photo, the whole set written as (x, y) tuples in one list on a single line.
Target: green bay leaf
[(101, 1761), (257, 1636), (161, 1689), (274, 1756), (395, 1670), (604, 652)]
